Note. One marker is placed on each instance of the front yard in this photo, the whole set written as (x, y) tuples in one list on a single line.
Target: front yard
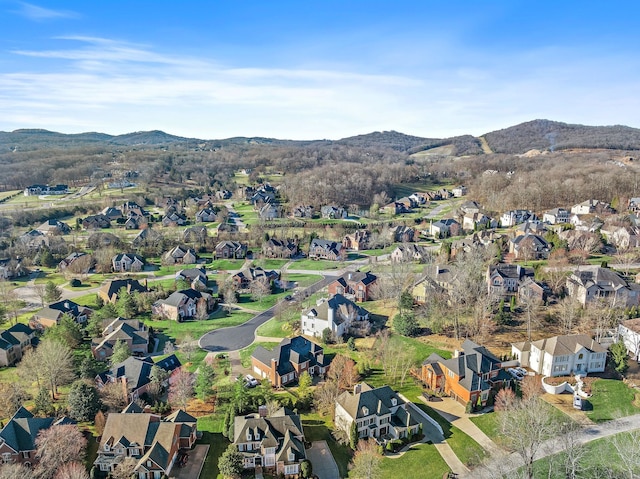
[(612, 399)]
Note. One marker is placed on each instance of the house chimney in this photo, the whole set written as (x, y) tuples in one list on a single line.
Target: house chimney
[(66, 304), (262, 411), (357, 389)]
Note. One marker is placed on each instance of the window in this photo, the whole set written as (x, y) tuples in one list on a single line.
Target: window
[(292, 457), (394, 402), (26, 454), (293, 469), (6, 457), (580, 356)]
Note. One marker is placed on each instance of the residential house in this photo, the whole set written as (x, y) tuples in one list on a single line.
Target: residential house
[(54, 227), (111, 213), (338, 314), (12, 268), (357, 241), (174, 219), (468, 377), (588, 223), (423, 290), (135, 222), (223, 194), (273, 443), (275, 248), (130, 331), (622, 237), (459, 191), (196, 277), (52, 314), (396, 208), (419, 198), (534, 227), (152, 441), (593, 206), (354, 285), (206, 215), (333, 212), (180, 255), (469, 208), (247, 275), (110, 290), (562, 355), (227, 227), (479, 239), (529, 289), (14, 342), (34, 239), (588, 284), (134, 374), (473, 221), (94, 222), (379, 413), (402, 234), (326, 249), (444, 228), (286, 362), (127, 262), (504, 279), (18, 436), (195, 234), (529, 247), (629, 333), (230, 250), (634, 205), (268, 211), (37, 190), (556, 216), (409, 252), (302, 211), (147, 237), (184, 304), (515, 217)]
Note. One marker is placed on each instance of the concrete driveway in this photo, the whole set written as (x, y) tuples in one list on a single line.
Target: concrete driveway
[(324, 465), (193, 467)]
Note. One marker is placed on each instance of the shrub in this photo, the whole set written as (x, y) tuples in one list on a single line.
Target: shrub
[(75, 283)]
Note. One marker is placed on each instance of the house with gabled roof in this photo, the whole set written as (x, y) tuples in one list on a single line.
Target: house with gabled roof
[(196, 277), (174, 219), (591, 283), (183, 304), (562, 355), (14, 342), (206, 215), (504, 279), (556, 216), (444, 228), (333, 212), (356, 285), (54, 227), (287, 361), (338, 314), (110, 289), (125, 262), (275, 248), (152, 441), (326, 249), (52, 314), (34, 239), (379, 413), (274, 443), (147, 237), (134, 374), (409, 252), (247, 275), (18, 436), (93, 222), (130, 331), (468, 377), (230, 250), (356, 241), (529, 247), (180, 255)]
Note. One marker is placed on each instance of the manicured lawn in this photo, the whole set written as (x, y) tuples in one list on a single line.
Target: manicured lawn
[(611, 399), (264, 304), (488, 423), (245, 354), (274, 329), (197, 328), (270, 263), (226, 264), (318, 428), (89, 300), (313, 265), (211, 427), (467, 450), (421, 349), (420, 462), (303, 280)]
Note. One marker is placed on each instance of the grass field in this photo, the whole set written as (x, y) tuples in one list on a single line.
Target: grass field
[(274, 329), (245, 354), (318, 428), (313, 265), (611, 399), (420, 462)]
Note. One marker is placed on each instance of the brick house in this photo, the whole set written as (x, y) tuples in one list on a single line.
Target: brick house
[(52, 314), (326, 249), (230, 250), (125, 262), (130, 331), (110, 290), (287, 361), (183, 304), (180, 255), (14, 342), (356, 241), (275, 248), (354, 284)]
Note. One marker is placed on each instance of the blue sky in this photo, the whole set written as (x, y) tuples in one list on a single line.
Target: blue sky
[(307, 70)]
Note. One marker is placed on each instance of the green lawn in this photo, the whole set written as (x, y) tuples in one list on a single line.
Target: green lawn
[(611, 399), (274, 329), (318, 428), (211, 427), (422, 349), (303, 280), (226, 264), (264, 304), (420, 462), (197, 328), (245, 354), (270, 263), (313, 265), (488, 423)]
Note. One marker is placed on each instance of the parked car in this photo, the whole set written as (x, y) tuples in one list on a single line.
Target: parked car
[(251, 381), (516, 374)]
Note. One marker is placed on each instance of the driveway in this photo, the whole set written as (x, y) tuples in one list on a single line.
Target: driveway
[(193, 468), (239, 337), (324, 465)]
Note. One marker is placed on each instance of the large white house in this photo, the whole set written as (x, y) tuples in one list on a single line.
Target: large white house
[(379, 413), (562, 355), (338, 314), (629, 332)]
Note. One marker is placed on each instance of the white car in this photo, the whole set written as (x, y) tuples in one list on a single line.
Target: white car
[(251, 381)]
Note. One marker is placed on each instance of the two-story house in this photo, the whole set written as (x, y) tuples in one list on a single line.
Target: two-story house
[(356, 241), (556, 216), (338, 314), (230, 250), (152, 441), (286, 362), (183, 304), (247, 276), (326, 249), (110, 290), (468, 377), (275, 443), (52, 314), (132, 332), (407, 252), (588, 284), (206, 215), (196, 277), (515, 217), (504, 279), (529, 247), (355, 285), (275, 248), (378, 413), (127, 262), (562, 355), (14, 342), (180, 255)]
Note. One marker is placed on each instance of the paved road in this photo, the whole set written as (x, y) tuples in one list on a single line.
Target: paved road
[(324, 465), (239, 337)]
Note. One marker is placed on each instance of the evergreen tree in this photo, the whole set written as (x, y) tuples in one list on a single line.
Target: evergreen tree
[(204, 381), (121, 352), (52, 293), (83, 401), (405, 324), (231, 463), (353, 435), (126, 304), (42, 403)]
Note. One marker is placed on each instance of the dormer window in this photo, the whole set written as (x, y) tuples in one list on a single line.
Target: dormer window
[(257, 435), (248, 435), (394, 402), (106, 447), (365, 411), (292, 457)]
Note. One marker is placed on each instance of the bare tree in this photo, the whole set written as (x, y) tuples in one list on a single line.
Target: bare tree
[(188, 345), (72, 470), (568, 314), (325, 397), (343, 372), (57, 446), (12, 396), (259, 289), (181, 389), (16, 471), (530, 304), (113, 396), (51, 363), (367, 461), (627, 446), (125, 469), (602, 316)]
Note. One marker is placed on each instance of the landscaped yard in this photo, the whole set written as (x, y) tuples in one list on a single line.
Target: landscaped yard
[(611, 399), (315, 265), (318, 428), (488, 423), (420, 462), (211, 427), (275, 329), (245, 354)]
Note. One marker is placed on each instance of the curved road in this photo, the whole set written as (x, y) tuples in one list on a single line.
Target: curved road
[(239, 337)]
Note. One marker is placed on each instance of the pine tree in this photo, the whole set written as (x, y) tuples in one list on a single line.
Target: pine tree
[(353, 435), (121, 352)]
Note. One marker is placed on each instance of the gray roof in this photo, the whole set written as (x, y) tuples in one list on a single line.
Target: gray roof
[(22, 429), (369, 401), (291, 351)]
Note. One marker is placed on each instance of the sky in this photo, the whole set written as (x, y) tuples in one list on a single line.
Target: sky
[(316, 69)]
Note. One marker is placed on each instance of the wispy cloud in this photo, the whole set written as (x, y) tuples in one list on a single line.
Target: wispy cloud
[(40, 14)]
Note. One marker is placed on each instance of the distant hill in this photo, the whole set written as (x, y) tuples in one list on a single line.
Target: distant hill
[(538, 134), (553, 135)]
